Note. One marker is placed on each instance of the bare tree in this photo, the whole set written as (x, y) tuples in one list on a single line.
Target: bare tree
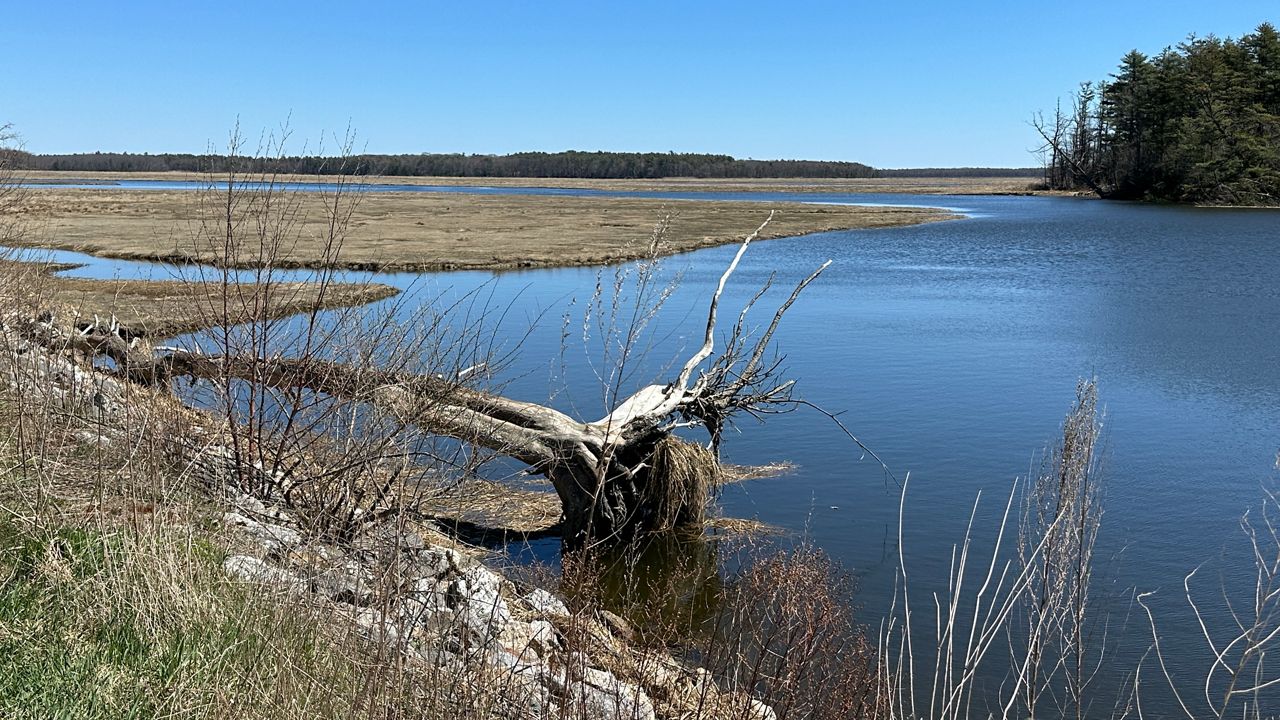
[(12, 191), (1070, 146)]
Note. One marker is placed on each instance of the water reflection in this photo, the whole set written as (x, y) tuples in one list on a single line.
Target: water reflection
[(667, 583)]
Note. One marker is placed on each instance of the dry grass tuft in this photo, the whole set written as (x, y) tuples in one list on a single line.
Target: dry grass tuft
[(681, 477), (743, 527), (730, 473)]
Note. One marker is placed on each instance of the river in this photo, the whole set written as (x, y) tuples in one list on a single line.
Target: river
[(953, 350)]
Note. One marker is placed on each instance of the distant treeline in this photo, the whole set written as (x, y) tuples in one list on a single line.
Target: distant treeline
[(1197, 123), (1027, 172), (572, 164)]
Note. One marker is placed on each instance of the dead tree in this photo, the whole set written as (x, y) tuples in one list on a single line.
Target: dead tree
[(1069, 146), (617, 477)]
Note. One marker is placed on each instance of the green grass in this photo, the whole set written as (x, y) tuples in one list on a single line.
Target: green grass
[(124, 625), (54, 663), (114, 603)]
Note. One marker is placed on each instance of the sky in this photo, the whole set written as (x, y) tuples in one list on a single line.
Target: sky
[(923, 83)]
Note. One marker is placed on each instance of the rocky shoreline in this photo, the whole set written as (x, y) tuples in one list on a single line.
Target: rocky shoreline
[(429, 601)]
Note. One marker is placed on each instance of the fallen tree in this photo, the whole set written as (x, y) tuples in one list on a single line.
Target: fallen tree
[(619, 476)]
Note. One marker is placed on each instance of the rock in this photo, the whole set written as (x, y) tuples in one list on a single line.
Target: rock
[(346, 582), (436, 632), (315, 555), (425, 612), (92, 439), (527, 700), (508, 660), (109, 386), (540, 690), (536, 639), (617, 626), (384, 540), (443, 660), (250, 505), (252, 569), (662, 671), (272, 480), (524, 694), (430, 593), (214, 466), (404, 540), (436, 562), (442, 607), (479, 577), (544, 603), (757, 710), (275, 539), (543, 637), (476, 598), (602, 696), (376, 626)]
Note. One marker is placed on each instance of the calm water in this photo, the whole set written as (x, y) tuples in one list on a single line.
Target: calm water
[(953, 350)]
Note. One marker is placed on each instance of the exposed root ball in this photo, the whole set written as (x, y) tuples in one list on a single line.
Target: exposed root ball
[(681, 477)]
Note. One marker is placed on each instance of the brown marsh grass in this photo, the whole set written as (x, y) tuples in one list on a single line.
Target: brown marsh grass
[(437, 231)]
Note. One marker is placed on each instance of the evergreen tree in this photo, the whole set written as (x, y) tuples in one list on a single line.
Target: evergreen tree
[(1199, 123)]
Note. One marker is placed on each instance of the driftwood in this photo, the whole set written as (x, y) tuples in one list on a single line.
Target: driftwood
[(617, 476)]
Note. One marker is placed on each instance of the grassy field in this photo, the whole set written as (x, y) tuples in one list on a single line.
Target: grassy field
[(921, 185), (438, 231), (159, 309)]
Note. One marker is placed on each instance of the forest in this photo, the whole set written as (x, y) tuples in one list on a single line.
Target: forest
[(1197, 123), (569, 164)]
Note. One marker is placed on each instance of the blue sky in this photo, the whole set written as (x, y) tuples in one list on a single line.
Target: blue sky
[(902, 84)]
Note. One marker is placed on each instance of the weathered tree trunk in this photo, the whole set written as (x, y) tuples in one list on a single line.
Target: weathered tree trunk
[(618, 477), (655, 484)]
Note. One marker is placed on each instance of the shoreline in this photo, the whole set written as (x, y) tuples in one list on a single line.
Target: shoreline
[(159, 309), (938, 185)]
